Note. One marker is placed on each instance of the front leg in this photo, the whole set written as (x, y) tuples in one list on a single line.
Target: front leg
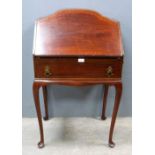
[(36, 87), (118, 88)]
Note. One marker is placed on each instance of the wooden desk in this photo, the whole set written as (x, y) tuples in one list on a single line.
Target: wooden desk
[(77, 47)]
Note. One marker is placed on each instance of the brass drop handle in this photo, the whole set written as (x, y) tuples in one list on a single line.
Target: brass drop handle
[(47, 71), (109, 71)]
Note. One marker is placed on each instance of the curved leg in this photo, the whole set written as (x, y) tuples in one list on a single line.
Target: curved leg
[(45, 102), (37, 105), (103, 117), (118, 88)]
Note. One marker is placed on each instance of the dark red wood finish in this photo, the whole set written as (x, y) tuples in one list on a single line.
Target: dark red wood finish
[(62, 39), (77, 33), (70, 67)]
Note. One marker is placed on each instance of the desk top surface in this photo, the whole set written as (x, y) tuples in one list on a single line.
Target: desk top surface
[(77, 33)]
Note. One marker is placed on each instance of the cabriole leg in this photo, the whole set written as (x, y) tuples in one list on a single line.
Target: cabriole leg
[(37, 105), (103, 116), (118, 88), (44, 88)]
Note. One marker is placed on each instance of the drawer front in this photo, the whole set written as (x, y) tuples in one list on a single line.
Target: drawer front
[(77, 67)]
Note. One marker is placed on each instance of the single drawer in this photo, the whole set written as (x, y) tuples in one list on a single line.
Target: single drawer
[(88, 67)]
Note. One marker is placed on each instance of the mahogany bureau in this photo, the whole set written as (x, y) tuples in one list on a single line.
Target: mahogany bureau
[(77, 47)]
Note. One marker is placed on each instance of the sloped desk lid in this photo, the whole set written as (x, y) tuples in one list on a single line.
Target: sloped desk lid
[(77, 33)]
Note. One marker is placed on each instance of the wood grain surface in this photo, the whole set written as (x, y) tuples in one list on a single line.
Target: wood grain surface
[(77, 33)]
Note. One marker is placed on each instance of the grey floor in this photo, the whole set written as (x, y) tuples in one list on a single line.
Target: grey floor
[(77, 136)]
